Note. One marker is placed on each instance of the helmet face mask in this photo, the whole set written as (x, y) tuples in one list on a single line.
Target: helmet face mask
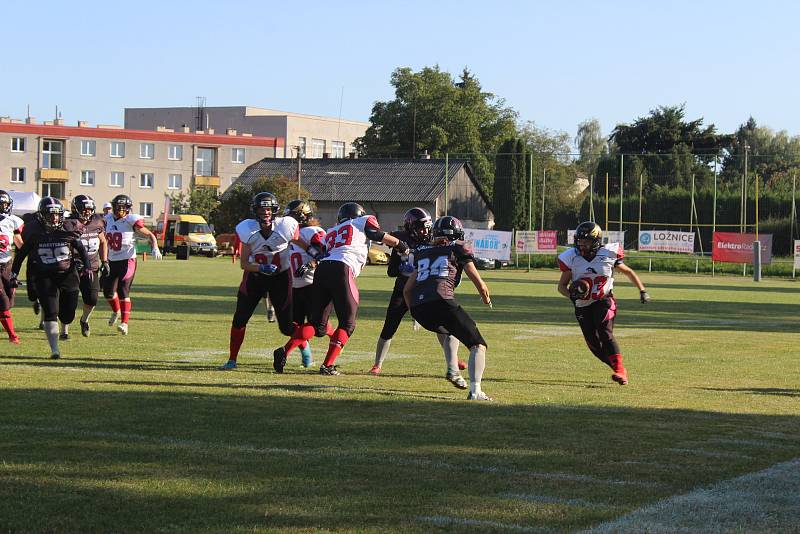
[(6, 203), (121, 206), (448, 229), (51, 213), (588, 239), (418, 224), (263, 206), (83, 207), (300, 210), (350, 210)]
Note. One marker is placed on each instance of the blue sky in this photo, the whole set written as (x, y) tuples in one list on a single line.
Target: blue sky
[(556, 63)]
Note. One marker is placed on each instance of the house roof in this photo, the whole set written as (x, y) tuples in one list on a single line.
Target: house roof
[(365, 180)]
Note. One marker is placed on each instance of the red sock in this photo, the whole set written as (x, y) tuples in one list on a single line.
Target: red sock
[(8, 323), (616, 362), (302, 333), (328, 330), (338, 340), (125, 305), (237, 337), (114, 303)]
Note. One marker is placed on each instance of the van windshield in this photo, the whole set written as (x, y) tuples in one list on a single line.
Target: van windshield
[(199, 228)]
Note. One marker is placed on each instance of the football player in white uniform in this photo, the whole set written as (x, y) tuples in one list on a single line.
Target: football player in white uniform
[(121, 225), (347, 245), (10, 230), (265, 243), (587, 279)]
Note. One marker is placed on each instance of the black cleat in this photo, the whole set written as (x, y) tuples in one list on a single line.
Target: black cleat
[(55, 356), (63, 337), (279, 359), (329, 370), (84, 329), (36, 307)]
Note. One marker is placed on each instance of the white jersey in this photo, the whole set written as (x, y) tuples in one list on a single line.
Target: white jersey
[(299, 257), (9, 225), (347, 242), (273, 249), (120, 236), (599, 272)]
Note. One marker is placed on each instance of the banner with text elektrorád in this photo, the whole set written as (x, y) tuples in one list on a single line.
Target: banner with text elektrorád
[(738, 248)]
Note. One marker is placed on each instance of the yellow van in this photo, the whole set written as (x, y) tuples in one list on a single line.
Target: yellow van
[(191, 230)]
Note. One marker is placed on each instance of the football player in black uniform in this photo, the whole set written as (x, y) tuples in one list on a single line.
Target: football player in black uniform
[(417, 226), (429, 294), (93, 227), (52, 245)]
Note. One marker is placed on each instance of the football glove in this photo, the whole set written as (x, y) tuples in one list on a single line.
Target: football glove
[(156, 253), (406, 267), (13, 282), (579, 290), (105, 269), (644, 298), (316, 253), (301, 271), (401, 248), (267, 268), (87, 272)]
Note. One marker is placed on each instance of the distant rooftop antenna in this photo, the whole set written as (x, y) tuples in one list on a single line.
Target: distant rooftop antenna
[(199, 112), (339, 126)]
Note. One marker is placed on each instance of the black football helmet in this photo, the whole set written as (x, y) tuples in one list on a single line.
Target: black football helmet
[(588, 231), (348, 211), (6, 203), (82, 204), (51, 213), (121, 203), (418, 224), (300, 210), (449, 228), (267, 201)]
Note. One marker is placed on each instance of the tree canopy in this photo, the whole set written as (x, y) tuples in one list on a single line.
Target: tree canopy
[(235, 206)]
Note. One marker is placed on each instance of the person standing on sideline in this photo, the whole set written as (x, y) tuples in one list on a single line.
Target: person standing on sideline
[(587, 279), (429, 294), (346, 246), (10, 234), (106, 208), (52, 245), (94, 240), (121, 225), (265, 240), (417, 225)]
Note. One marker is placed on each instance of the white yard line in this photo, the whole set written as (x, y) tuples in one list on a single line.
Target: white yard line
[(764, 501)]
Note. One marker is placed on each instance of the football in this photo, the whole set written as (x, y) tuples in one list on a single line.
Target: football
[(580, 289)]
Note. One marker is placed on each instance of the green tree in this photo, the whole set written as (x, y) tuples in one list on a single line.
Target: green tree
[(591, 145), (434, 112), (198, 201), (235, 204)]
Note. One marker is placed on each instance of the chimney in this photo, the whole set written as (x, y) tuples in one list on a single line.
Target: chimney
[(58, 122), (353, 155), (30, 120), (211, 131), (230, 131), (83, 124), (326, 155), (186, 129)]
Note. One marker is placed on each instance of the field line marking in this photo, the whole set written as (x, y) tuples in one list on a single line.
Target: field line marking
[(245, 448), (761, 501)]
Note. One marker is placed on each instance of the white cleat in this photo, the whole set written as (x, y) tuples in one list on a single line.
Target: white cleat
[(123, 328), (113, 319), (479, 396)]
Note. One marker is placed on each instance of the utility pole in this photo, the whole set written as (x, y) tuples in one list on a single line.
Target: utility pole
[(299, 168)]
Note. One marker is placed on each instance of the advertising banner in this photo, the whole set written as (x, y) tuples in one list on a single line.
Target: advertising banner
[(490, 244), (666, 241), (538, 242), (797, 254), (738, 248), (612, 236)]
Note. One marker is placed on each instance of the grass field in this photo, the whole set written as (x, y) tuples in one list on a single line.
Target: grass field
[(143, 434)]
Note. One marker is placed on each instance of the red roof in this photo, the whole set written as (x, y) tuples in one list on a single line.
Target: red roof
[(140, 135)]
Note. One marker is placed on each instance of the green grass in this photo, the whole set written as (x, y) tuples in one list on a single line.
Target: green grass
[(141, 433)]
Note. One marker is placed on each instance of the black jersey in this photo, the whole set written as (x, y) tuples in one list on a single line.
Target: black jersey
[(51, 251), (90, 236), (438, 269)]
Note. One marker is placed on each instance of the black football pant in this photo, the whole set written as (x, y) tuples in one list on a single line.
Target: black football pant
[(334, 287), (395, 311), (254, 288), (58, 295), (597, 324), (301, 304), (119, 279), (90, 288), (447, 317)]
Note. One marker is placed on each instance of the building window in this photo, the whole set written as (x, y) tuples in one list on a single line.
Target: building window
[(337, 149), (17, 175), (175, 152), (17, 144), (233, 179), (88, 148), (146, 209), (52, 154), (317, 148), (117, 179), (53, 189), (146, 180), (117, 149), (87, 178), (237, 155), (146, 150), (175, 181), (204, 164), (302, 147)]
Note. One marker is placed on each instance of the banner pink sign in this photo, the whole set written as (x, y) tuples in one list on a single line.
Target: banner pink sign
[(547, 241), (738, 248)]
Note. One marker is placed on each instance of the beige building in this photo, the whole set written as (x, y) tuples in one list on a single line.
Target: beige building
[(314, 136), (64, 161)]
